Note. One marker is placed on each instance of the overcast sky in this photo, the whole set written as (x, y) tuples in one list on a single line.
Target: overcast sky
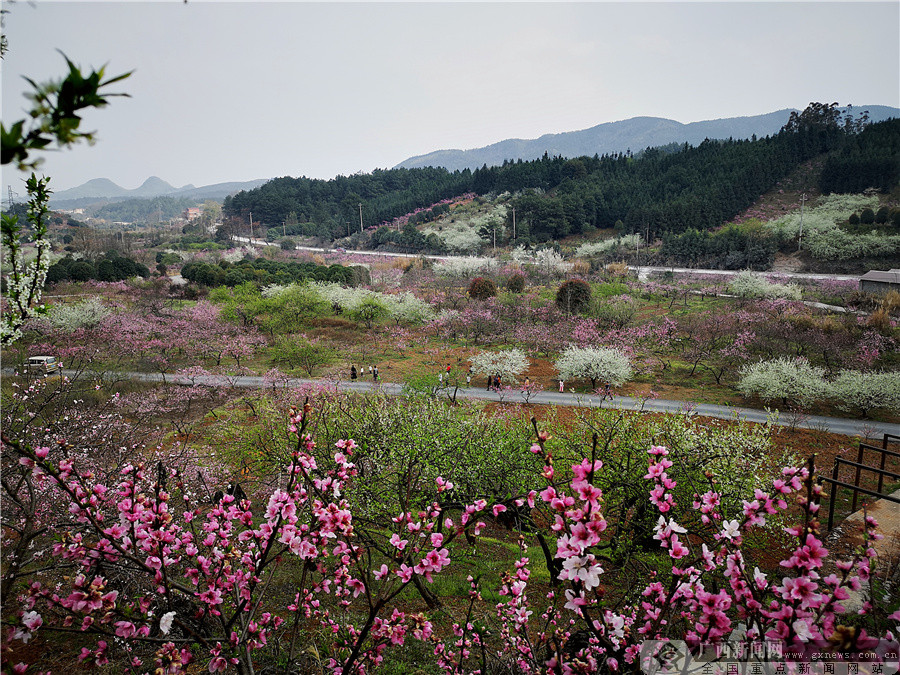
[(227, 91)]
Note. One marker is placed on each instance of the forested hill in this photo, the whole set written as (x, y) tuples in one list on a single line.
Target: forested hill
[(697, 187)]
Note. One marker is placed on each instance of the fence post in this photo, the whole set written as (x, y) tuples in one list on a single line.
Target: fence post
[(834, 489), (859, 459)]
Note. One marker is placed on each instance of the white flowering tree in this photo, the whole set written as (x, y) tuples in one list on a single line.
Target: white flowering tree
[(748, 285), (71, 317), (547, 261), (457, 237), (863, 392), (508, 364), (465, 268), (790, 380), (407, 308), (25, 280), (605, 364), (588, 249)]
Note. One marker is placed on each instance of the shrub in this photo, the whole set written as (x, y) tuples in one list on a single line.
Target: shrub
[(867, 216), (516, 283), (573, 295), (482, 289), (854, 219), (882, 215)]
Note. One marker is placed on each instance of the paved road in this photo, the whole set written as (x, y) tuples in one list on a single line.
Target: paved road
[(642, 271), (837, 425)]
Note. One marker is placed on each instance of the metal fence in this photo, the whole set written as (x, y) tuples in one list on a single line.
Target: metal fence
[(861, 469)]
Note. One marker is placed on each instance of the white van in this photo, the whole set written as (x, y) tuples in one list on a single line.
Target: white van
[(43, 365)]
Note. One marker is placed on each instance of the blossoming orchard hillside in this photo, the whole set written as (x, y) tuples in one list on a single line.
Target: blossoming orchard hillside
[(295, 445)]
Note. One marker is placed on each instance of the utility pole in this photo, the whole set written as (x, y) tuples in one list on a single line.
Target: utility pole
[(283, 229), (495, 238), (800, 235), (360, 218), (251, 228), (514, 223), (11, 200)]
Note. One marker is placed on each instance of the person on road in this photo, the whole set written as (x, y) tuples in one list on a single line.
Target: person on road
[(375, 374), (562, 386)]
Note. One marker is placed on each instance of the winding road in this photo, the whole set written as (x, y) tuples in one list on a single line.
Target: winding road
[(837, 425)]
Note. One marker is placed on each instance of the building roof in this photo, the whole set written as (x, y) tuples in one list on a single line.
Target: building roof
[(890, 277)]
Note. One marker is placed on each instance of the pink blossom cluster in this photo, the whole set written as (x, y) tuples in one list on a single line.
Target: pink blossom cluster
[(400, 221)]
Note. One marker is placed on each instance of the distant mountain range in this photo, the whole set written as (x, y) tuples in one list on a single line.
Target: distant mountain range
[(635, 134), (103, 189)]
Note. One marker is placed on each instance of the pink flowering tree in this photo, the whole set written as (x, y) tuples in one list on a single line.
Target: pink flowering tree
[(712, 584), (158, 576)]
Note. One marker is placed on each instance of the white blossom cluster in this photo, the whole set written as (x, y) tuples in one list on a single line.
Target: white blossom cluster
[(464, 268), (408, 308), (71, 317), (605, 364), (783, 378), (457, 237), (405, 307), (822, 235), (24, 286), (746, 284), (588, 249), (508, 364), (824, 216), (238, 254), (273, 290), (836, 244), (795, 380), (546, 260)]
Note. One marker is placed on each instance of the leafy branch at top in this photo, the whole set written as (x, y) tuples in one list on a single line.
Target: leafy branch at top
[(54, 114)]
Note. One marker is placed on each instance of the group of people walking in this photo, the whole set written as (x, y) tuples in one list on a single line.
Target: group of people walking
[(373, 373), (494, 382)]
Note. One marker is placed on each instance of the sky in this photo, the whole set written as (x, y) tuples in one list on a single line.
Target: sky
[(235, 91)]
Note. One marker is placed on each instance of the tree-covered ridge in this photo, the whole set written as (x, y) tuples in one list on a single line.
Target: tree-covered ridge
[(661, 192), (870, 159), (384, 195), (134, 210)]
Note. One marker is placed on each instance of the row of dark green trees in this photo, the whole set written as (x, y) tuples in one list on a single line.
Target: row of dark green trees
[(263, 272), (658, 193), (111, 267)]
